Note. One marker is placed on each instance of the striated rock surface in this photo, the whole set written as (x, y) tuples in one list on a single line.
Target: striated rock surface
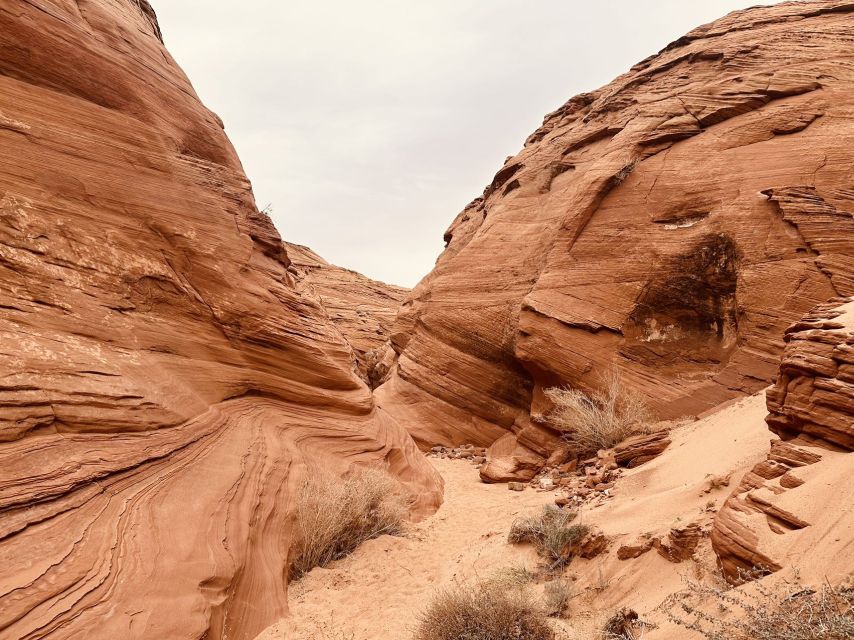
[(164, 381), (796, 503), (669, 225), (362, 309), (636, 450)]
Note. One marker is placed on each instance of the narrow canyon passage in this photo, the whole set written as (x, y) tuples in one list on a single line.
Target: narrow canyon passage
[(378, 591), (651, 304)]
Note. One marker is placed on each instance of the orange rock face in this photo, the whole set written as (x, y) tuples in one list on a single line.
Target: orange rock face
[(165, 381), (797, 503), (670, 225), (362, 309)]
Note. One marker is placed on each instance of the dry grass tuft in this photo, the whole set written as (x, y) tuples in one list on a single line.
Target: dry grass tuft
[(552, 533), (335, 515), (515, 576), (621, 625), (784, 611), (601, 419), (557, 595), (488, 611)]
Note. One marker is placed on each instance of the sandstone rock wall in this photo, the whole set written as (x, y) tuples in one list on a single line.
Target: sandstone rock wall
[(164, 382), (669, 225), (794, 508), (362, 309)]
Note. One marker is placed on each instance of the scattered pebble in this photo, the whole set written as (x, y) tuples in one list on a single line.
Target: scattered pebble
[(476, 455)]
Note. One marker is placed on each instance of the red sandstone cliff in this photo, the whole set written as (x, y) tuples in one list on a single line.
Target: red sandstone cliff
[(164, 381), (670, 225), (795, 507)]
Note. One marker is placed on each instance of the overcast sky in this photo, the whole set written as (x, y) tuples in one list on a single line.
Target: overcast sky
[(369, 124)]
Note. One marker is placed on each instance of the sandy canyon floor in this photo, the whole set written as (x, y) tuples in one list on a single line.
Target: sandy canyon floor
[(378, 591)]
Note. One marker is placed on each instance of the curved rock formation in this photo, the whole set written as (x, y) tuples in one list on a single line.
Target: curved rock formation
[(796, 504), (362, 309), (670, 225), (165, 382)]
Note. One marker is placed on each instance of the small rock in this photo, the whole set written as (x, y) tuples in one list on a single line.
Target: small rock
[(595, 543), (593, 480), (516, 486), (640, 449), (569, 467), (546, 483), (629, 551)]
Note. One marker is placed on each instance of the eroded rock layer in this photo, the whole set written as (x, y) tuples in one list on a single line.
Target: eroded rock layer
[(794, 507), (164, 382), (361, 308), (670, 225)]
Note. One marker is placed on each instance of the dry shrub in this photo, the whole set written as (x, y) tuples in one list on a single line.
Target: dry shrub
[(600, 419), (784, 611), (515, 576), (551, 533), (487, 611), (336, 515), (557, 595), (621, 625)]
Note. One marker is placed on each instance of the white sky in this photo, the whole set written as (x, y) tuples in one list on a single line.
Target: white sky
[(370, 124)]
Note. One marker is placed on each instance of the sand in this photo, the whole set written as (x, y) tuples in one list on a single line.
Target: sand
[(377, 592)]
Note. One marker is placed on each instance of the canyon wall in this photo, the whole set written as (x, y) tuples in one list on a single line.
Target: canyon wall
[(165, 381), (793, 509), (669, 225), (362, 309)]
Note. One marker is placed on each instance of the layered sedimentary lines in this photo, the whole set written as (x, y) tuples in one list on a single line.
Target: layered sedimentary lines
[(161, 372), (181, 533), (671, 225), (362, 309), (795, 502)]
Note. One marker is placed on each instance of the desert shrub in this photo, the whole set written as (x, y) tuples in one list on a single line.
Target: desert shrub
[(785, 611), (517, 576), (556, 596), (336, 515), (621, 625), (600, 419), (487, 611), (551, 533)]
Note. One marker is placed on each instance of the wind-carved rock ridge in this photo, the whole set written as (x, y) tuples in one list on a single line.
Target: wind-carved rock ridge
[(796, 502), (165, 381), (642, 228)]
